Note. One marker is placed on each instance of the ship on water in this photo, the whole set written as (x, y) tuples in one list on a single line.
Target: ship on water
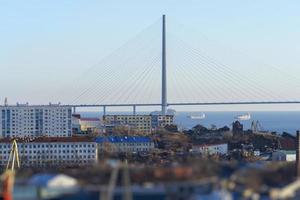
[(243, 117), (200, 116)]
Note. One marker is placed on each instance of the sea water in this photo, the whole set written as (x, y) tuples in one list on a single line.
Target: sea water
[(277, 121)]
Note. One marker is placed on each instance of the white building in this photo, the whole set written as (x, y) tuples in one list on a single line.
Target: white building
[(52, 151), (210, 149), (24, 120), (117, 144), (284, 156)]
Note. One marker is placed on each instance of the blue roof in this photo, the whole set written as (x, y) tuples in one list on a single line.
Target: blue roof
[(41, 179), (120, 139)]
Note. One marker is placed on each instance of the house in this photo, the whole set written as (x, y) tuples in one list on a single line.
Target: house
[(283, 155), (210, 149), (84, 126)]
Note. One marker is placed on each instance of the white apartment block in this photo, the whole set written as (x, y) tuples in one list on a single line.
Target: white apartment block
[(49, 151), (23, 120), (141, 123)]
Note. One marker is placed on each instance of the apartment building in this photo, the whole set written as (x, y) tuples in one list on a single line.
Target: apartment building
[(24, 120), (160, 121), (141, 123), (85, 126), (52, 151)]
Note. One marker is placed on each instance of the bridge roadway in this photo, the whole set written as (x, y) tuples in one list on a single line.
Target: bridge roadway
[(104, 106)]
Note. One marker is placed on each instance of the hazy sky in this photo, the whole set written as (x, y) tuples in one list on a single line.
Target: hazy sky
[(46, 44)]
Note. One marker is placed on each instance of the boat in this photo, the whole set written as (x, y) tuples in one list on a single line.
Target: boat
[(201, 116), (243, 117)]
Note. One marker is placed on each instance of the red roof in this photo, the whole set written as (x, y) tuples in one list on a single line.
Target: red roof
[(48, 139)]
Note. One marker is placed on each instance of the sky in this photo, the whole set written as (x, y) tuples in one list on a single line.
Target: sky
[(45, 45)]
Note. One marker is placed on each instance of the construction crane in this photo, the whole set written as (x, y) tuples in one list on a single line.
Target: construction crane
[(13, 157), (8, 177), (256, 127)]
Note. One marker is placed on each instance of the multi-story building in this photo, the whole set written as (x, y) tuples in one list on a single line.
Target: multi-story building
[(52, 151), (118, 144), (24, 120), (160, 121), (141, 123)]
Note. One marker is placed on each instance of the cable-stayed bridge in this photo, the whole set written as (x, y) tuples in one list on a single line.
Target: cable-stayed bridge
[(166, 71)]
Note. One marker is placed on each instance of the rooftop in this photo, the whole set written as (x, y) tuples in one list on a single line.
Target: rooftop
[(120, 139), (48, 139), (18, 105)]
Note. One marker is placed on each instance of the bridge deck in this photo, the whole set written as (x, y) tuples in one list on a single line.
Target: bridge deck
[(188, 104)]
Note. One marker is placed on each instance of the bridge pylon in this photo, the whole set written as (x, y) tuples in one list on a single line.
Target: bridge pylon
[(164, 103)]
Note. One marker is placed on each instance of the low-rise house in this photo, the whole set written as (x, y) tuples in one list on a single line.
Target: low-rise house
[(210, 149), (283, 155), (118, 144), (52, 151)]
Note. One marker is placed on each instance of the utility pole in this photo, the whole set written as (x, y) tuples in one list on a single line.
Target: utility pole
[(164, 70)]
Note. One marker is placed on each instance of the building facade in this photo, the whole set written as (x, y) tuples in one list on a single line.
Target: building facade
[(50, 151), (86, 126), (160, 121), (23, 120), (283, 155), (119, 144), (141, 123)]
